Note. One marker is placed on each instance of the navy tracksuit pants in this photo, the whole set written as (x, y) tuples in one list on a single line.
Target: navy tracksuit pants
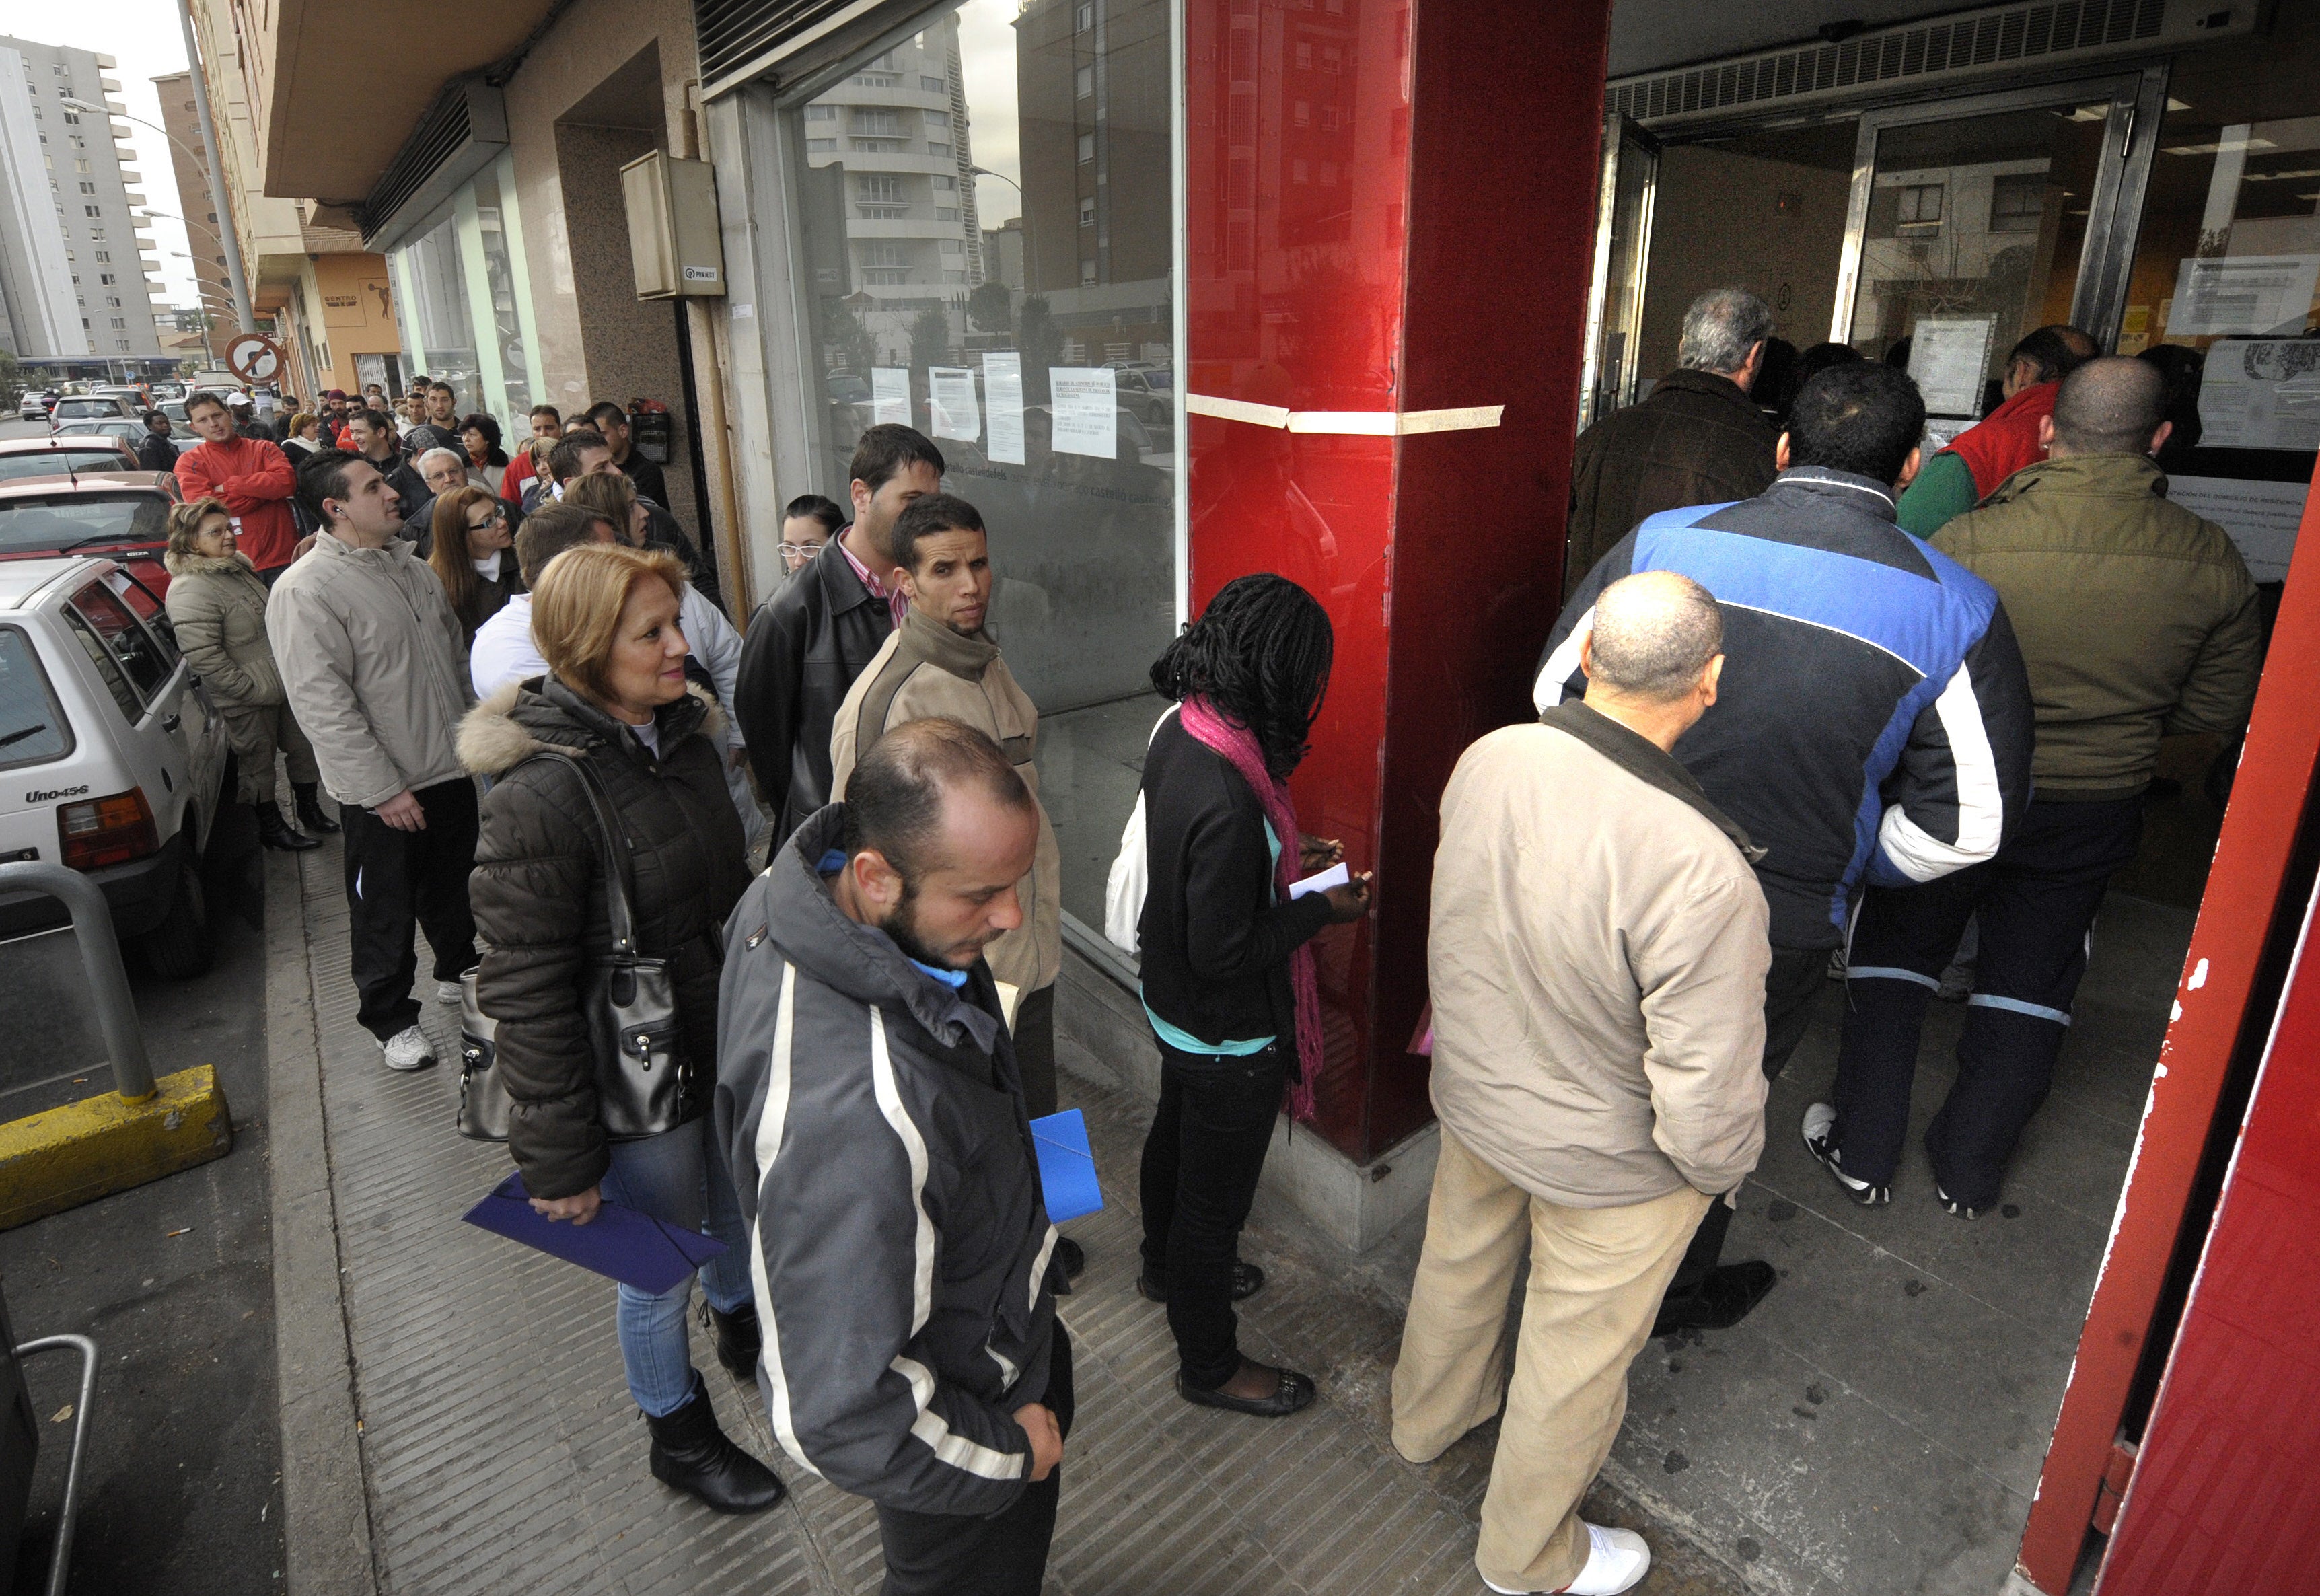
[(2036, 901)]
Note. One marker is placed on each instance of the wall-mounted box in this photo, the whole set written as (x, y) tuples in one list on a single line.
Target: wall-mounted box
[(672, 232)]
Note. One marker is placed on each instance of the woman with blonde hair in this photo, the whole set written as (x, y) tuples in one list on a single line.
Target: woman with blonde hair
[(606, 790), (471, 549), (217, 608)]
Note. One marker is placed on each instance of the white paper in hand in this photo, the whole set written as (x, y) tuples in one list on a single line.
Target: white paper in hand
[(1334, 875)]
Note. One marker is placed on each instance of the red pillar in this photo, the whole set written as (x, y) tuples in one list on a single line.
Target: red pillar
[(1390, 212)]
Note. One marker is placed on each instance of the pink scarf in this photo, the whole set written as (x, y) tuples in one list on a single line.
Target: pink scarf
[(1237, 744)]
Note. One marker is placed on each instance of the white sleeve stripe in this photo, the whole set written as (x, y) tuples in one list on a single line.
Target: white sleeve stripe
[(914, 1147), (1548, 689), (1981, 802), (948, 1446), (1039, 1270), (770, 1123)]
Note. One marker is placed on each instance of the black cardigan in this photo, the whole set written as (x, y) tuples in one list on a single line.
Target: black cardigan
[(1215, 947)]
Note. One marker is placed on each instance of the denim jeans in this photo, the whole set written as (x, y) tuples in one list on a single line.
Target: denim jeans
[(681, 1178)]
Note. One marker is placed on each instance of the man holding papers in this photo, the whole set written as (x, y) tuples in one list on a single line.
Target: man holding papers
[(868, 1094)]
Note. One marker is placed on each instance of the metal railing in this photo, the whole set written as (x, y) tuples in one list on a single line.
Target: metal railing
[(60, 1553), (100, 956)]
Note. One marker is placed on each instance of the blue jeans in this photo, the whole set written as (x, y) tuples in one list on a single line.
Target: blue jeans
[(681, 1178)]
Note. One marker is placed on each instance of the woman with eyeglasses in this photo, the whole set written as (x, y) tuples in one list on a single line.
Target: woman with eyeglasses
[(810, 522), (471, 550)]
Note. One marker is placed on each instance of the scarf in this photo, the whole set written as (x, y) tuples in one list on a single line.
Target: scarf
[(1236, 745)]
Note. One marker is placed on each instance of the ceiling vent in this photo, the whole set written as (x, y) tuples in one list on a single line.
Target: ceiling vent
[(1946, 49)]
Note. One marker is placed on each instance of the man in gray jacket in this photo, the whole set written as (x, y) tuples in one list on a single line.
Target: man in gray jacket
[(869, 1101), (1597, 959), (375, 667)]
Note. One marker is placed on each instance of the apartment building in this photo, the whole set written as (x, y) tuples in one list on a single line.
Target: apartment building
[(197, 204), (74, 259)]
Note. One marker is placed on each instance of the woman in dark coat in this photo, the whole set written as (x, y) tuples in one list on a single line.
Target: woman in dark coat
[(471, 549), (605, 620)]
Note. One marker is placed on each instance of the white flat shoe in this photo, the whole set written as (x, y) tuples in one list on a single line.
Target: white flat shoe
[(1617, 1561)]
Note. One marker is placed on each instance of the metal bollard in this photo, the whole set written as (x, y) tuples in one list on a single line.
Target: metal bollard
[(100, 955)]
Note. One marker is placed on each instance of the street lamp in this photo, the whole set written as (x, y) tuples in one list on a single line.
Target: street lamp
[(1023, 208)]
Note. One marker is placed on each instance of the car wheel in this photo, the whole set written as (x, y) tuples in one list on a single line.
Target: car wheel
[(179, 949)]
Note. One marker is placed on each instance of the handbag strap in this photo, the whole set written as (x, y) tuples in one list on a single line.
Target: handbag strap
[(616, 858)]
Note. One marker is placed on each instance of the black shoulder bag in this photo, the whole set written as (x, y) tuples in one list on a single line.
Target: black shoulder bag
[(630, 1005)]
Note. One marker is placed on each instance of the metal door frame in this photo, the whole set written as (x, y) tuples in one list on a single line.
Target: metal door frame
[(2138, 101), (1617, 130)]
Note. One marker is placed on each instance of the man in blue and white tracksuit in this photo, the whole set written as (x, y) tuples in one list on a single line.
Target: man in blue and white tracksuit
[(1873, 724)]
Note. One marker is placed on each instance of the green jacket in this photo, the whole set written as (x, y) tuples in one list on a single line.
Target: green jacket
[(2137, 620)]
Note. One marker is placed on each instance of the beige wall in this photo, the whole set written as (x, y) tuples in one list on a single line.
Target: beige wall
[(1774, 226)]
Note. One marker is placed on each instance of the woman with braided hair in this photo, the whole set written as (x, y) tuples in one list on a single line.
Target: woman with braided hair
[(1228, 980)]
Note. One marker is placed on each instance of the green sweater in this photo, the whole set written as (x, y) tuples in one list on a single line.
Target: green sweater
[(2137, 620), (1941, 491)]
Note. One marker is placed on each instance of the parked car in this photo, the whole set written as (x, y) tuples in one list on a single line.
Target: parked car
[(169, 390), (1147, 390), (136, 395), (64, 455), (34, 405), (117, 764), (115, 427), (90, 407), (124, 515)]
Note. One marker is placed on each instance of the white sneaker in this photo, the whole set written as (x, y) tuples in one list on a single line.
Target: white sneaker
[(408, 1049), (1617, 1561), (447, 992)]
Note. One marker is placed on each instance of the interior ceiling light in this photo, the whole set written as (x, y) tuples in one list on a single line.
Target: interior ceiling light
[(2175, 104), (2221, 147)]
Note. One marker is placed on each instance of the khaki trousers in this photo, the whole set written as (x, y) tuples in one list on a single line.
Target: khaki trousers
[(1595, 1278)]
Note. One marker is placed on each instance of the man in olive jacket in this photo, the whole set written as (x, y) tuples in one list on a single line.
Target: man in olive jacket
[(2136, 619), (941, 662), (1697, 438), (1598, 1056)]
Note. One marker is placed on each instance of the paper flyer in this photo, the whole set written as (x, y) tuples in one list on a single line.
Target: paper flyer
[(1003, 391), (890, 396), (2226, 294), (1086, 409), (1336, 875), (950, 400), (2260, 516), (2261, 394), (1947, 356)]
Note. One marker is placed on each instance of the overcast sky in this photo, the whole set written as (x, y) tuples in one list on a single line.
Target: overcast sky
[(148, 40), (986, 50)]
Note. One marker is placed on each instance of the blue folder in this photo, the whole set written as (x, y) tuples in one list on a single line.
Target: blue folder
[(632, 1248), (1067, 1167)]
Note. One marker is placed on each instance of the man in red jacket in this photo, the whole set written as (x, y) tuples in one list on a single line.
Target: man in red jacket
[(253, 478)]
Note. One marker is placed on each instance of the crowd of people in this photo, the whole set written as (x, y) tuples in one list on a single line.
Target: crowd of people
[(1816, 704)]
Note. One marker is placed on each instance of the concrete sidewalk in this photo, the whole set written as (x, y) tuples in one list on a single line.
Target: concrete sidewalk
[(499, 1449)]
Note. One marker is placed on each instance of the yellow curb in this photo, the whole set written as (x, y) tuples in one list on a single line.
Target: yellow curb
[(64, 1157)]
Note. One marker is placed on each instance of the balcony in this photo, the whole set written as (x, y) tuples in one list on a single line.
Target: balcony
[(111, 86)]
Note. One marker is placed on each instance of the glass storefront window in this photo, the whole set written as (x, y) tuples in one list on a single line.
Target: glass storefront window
[(492, 225), (435, 320), (986, 246), (463, 274)]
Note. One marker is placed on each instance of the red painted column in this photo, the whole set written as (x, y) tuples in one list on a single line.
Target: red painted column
[(1390, 209)]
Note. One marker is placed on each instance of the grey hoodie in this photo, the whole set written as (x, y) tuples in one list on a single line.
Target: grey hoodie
[(875, 1121)]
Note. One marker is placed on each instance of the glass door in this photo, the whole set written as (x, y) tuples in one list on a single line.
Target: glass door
[(1623, 235), (1976, 221)]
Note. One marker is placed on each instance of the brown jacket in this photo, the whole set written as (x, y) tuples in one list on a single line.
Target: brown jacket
[(1695, 440), (1597, 958), (927, 669)]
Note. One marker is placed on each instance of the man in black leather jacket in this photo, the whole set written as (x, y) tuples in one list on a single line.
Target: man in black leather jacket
[(808, 642)]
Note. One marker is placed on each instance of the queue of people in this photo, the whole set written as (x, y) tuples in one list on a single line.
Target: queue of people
[(1777, 728)]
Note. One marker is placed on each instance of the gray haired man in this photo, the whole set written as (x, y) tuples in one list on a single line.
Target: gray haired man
[(1596, 1072), (1695, 440), (441, 470)]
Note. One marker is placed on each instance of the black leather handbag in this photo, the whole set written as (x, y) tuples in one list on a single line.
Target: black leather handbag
[(630, 1005)]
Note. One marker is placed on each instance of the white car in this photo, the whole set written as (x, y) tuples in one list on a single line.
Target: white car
[(91, 407), (113, 762)]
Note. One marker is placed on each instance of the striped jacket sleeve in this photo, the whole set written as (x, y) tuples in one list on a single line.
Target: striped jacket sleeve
[(844, 1202), (1558, 668), (1964, 777)]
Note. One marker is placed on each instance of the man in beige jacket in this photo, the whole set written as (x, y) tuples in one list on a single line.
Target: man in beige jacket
[(1598, 954), (940, 662), (374, 666)]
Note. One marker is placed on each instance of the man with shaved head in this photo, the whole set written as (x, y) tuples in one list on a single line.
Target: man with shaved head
[(1597, 960), (2136, 620)]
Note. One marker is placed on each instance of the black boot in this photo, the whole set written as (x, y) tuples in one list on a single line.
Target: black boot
[(740, 1340), (690, 1453), (309, 808), (274, 832)]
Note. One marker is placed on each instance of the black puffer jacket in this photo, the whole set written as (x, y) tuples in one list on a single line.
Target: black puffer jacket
[(539, 902)]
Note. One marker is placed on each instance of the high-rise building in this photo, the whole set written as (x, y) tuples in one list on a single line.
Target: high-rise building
[(73, 257), (197, 199)]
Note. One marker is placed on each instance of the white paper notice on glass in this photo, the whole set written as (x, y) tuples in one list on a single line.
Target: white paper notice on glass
[(2261, 394), (1002, 393), (950, 397), (1947, 356), (2226, 294), (2260, 516), (890, 396), (1336, 875), (1086, 409)]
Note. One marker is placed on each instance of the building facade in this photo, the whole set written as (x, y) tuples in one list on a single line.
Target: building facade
[(74, 259), (197, 205)]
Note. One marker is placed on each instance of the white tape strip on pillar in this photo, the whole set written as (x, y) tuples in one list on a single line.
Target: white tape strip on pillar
[(1360, 423)]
